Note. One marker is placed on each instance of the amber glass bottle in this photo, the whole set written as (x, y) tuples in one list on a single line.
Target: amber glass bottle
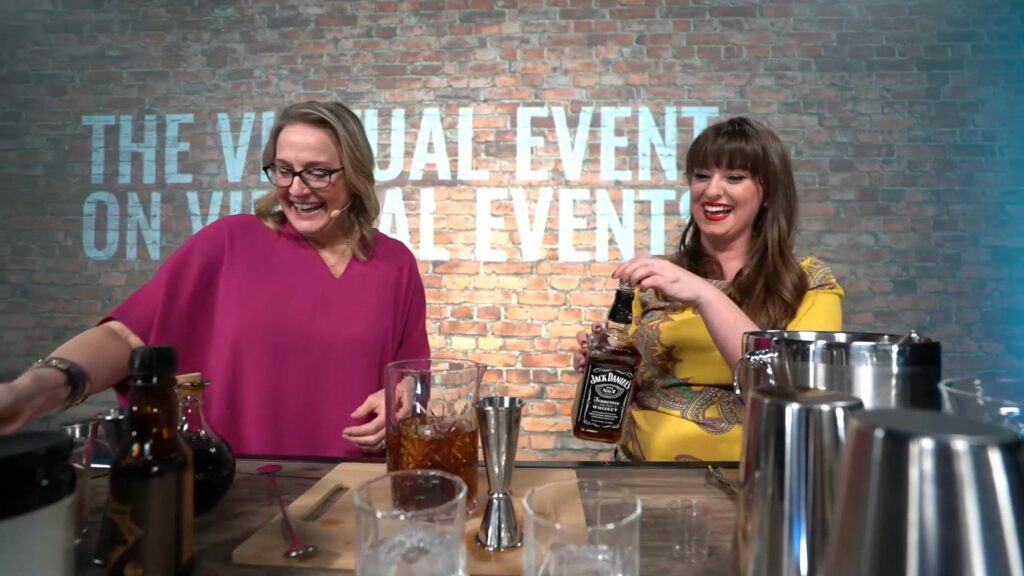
[(213, 463), (150, 506), (606, 389)]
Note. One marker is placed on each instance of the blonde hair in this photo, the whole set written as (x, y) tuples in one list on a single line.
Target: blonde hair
[(356, 158), (770, 287)]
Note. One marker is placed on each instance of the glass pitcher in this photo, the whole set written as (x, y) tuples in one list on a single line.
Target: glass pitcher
[(431, 419)]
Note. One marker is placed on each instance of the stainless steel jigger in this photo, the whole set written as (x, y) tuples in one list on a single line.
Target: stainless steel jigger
[(499, 418)]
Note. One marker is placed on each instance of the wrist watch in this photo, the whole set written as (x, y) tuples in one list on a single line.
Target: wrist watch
[(77, 378)]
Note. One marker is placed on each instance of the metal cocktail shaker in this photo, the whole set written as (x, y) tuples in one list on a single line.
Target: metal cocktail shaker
[(927, 493), (791, 453)]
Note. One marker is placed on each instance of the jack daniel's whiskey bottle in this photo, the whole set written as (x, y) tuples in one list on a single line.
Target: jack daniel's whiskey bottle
[(606, 389)]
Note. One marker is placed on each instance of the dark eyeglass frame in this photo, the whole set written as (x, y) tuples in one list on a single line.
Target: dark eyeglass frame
[(270, 172)]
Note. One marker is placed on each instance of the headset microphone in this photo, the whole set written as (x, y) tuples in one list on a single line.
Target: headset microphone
[(335, 213)]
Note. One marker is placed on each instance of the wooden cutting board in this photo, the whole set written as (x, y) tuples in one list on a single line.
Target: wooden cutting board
[(325, 516)]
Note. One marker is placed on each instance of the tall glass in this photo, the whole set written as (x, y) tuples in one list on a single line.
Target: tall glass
[(581, 528), (431, 419), (411, 523), (989, 397)]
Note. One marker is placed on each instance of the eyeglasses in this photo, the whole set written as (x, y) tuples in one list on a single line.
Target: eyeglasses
[(313, 178)]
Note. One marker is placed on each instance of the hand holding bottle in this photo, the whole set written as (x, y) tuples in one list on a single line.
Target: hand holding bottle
[(610, 365), (582, 356)]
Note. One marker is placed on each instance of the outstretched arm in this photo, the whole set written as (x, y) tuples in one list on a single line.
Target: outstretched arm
[(101, 351)]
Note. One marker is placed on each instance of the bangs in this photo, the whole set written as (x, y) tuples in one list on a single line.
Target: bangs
[(731, 145)]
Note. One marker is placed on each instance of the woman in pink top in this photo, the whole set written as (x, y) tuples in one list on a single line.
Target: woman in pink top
[(291, 313)]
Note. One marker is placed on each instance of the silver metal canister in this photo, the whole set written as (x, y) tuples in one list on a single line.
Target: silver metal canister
[(883, 370), (926, 493), (789, 476)]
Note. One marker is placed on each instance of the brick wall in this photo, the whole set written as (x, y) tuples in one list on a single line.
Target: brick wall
[(901, 116)]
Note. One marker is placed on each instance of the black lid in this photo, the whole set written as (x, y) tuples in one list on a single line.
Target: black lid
[(153, 361), (34, 471), (622, 308)]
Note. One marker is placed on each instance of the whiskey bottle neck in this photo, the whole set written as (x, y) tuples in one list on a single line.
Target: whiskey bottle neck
[(618, 335), (621, 312), (617, 328)]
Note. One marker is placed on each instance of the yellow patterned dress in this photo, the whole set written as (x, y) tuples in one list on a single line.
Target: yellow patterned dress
[(684, 408)]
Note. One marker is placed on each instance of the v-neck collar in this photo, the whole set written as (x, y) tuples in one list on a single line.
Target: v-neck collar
[(297, 237)]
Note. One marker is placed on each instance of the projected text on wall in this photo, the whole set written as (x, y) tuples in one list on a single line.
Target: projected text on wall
[(594, 171)]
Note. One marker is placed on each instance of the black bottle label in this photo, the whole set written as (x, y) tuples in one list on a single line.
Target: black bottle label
[(605, 393), (142, 512)]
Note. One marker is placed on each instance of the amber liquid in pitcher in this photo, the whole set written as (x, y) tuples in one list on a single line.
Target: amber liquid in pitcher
[(435, 443), (606, 389)]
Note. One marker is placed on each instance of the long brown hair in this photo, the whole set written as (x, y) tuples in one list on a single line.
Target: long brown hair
[(771, 285), (356, 157)]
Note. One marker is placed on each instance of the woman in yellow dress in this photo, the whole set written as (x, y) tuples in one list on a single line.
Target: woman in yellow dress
[(734, 272)]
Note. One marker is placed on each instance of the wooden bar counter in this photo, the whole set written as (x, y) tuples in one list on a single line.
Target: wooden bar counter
[(250, 504)]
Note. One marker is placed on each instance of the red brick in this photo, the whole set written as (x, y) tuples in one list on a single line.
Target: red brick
[(547, 360), (474, 328), (515, 329), (544, 424), (541, 298)]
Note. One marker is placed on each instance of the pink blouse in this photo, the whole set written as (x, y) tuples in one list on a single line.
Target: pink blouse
[(290, 350)]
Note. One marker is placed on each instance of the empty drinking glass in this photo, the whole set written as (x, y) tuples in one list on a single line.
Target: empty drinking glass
[(411, 523), (990, 397), (690, 529), (581, 528)]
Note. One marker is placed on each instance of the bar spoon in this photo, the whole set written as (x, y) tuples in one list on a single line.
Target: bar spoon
[(296, 549)]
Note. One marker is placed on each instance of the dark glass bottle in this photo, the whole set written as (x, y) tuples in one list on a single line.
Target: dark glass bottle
[(213, 463), (149, 510), (606, 389)]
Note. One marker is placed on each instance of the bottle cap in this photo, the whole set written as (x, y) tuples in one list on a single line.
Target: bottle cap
[(151, 360), (191, 380)]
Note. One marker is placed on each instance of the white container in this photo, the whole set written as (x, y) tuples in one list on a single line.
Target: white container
[(37, 504)]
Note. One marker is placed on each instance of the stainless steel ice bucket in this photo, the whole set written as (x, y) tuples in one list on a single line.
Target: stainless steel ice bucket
[(925, 493), (788, 472), (754, 370), (883, 370)]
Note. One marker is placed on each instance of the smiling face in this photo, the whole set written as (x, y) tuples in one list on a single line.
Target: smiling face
[(725, 204), (302, 147), (742, 191)]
